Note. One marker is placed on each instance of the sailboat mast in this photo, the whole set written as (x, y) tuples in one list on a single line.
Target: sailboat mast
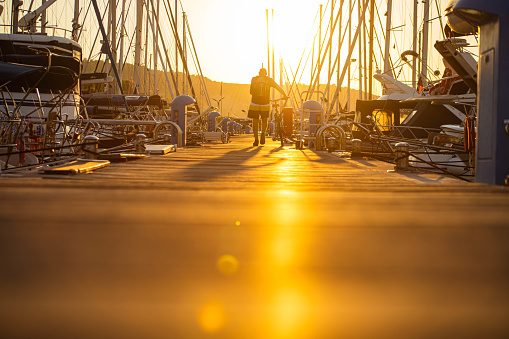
[(75, 21), (371, 42), (414, 46), (176, 47), (137, 46), (361, 41), (268, 43), (184, 52), (387, 55), (43, 19), (331, 30), (425, 42), (349, 61), (15, 16), (120, 55), (319, 51), (145, 59), (273, 60), (156, 46), (113, 34)]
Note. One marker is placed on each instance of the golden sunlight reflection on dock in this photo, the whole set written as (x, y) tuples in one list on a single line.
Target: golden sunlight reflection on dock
[(231, 241)]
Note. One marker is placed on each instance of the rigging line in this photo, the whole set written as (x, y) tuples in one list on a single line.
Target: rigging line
[(340, 45), (336, 61), (95, 40), (234, 97), (128, 49), (302, 56), (61, 14), (198, 61), (113, 63), (288, 81), (167, 55), (315, 70), (330, 45), (440, 20), (181, 52), (383, 34), (122, 28), (320, 46), (84, 18), (338, 88)]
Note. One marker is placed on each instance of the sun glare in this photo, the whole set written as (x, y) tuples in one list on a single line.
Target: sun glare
[(212, 317)]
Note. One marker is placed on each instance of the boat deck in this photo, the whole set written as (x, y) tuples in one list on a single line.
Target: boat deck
[(231, 241)]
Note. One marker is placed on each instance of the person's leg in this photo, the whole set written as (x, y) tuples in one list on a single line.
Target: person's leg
[(255, 131), (264, 128)]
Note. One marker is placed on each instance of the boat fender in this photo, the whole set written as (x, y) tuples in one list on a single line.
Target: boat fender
[(469, 134)]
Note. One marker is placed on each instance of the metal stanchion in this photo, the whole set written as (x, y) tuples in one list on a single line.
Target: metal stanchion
[(140, 143), (90, 147), (402, 162)]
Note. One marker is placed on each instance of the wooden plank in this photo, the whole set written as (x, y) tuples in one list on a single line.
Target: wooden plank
[(160, 149), (122, 157), (77, 167)]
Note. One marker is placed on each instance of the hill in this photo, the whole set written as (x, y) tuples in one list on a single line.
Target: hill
[(235, 97)]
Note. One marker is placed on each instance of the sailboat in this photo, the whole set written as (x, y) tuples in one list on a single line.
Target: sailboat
[(38, 70), (39, 88)]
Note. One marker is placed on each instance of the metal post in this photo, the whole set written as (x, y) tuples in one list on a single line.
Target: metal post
[(140, 143), (402, 161), (356, 147), (91, 143)]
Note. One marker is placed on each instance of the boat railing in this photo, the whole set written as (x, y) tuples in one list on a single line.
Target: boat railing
[(47, 27)]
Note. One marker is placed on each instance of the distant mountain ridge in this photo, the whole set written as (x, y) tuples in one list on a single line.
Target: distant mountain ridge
[(236, 97)]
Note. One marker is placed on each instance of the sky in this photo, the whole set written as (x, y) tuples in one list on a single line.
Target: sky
[(231, 35)]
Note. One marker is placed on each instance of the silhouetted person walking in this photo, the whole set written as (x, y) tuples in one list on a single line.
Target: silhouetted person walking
[(260, 102)]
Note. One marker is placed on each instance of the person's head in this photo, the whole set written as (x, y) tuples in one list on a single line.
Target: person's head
[(262, 72)]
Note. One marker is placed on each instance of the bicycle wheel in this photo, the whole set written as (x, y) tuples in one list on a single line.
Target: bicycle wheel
[(281, 134)]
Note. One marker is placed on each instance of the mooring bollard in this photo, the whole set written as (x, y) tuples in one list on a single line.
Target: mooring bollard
[(331, 144), (299, 144), (167, 139), (91, 143), (140, 143), (356, 146), (402, 161)]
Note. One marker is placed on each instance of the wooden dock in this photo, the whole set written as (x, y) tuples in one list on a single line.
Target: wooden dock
[(232, 241)]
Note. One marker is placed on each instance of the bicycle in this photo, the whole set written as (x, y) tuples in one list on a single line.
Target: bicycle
[(279, 128)]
